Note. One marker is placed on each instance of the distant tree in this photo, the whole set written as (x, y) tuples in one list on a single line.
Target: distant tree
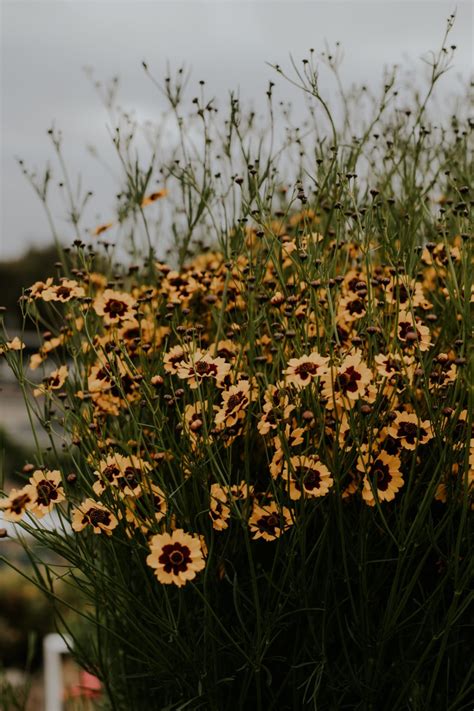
[(17, 275)]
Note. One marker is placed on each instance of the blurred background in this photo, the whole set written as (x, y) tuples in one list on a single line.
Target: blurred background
[(52, 53)]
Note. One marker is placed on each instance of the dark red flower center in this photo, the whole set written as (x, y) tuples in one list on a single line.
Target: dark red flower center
[(347, 381), (46, 492), (96, 517), (18, 504), (235, 401), (269, 523), (175, 558), (356, 306), (306, 370), (409, 431), (204, 368), (311, 480), (114, 307), (382, 475), (64, 292), (111, 472)]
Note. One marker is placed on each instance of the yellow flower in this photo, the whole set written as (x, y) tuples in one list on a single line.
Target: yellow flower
[(411, 332), (14, 507), (101, 228), (202, 365), (173, 359), (45, 490), (14, 345), (153, 197), (115, 306), (36, 290), (235, 402), (91, 513), (67, 290), (219, 509), (269, 522), (176, 557), (348, 382), (308, 475), (407, 428), (382, 473), (302, 371), (54, 381)]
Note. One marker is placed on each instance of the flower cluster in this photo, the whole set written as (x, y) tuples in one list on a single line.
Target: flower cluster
[(254, 388)]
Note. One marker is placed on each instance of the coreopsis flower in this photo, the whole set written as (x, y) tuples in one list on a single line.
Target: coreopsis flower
[(115, 306), (200, 366), (269, 521), (235, 402), (219, 509), (68, 289), (45, 490), (175, 557), (109, 472), (409, 430), (277, 462), (227, 349), (92, 513), (382, 473), (277, 299), (14, 345), (153, 197), (54, 381), (351, 308), (133, 476), (411, 332), (172, 359), (302, 371), (394, 366), (276, 408), (404, 292), (242, 491), (36, 290), (101, 228), (307, 474), (146, 509), (16, 504), (348, 382), (351, 487)]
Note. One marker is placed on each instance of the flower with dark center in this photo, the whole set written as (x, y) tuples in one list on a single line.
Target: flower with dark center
[(45, 490), (383, 476), (269, 522), (92, 513), (115, 306), (176, 557), (16, 504), (348, 382), (411, 331), (302, 371), (219, 509), (307, 475), (235, 402), (202, 365), (54, 381), (409, 431), (67, 290)]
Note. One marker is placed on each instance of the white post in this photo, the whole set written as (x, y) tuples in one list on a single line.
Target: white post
[(53, 646)]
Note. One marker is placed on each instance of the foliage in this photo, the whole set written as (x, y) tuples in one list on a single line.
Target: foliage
[(271, 438)]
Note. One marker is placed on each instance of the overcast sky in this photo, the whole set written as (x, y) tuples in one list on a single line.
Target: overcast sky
[(45, 46)]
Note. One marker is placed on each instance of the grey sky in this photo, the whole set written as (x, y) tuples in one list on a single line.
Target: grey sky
[(45, 45)]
